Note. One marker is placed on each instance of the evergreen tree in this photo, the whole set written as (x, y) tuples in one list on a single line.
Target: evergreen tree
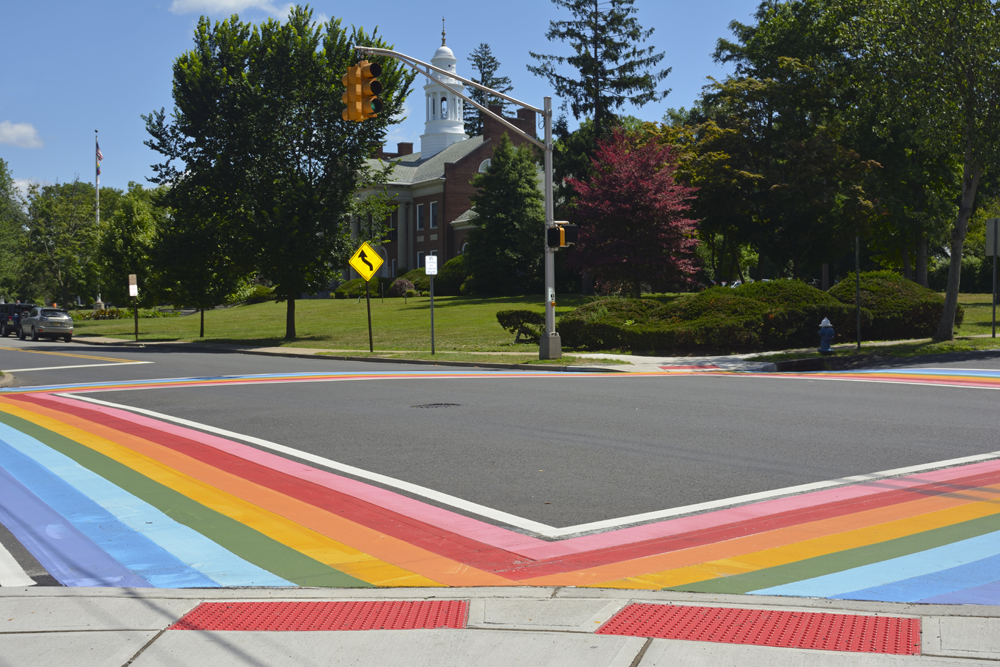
[(486, 65), (611, 67), (506, 246)]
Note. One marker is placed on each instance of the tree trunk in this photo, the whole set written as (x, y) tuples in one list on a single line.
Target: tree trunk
[(921, 276), (824, 281), (970, 182), (202, 323), (907, 269), (290, 320)]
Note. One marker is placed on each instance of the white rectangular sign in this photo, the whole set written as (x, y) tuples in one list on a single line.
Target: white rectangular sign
[(133, 290), (991, 226), (431, 265)]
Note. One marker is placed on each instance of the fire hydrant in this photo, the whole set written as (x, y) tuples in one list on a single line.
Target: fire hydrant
[(826, 334)]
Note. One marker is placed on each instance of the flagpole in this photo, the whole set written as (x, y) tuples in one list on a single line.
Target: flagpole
[(97, 178)]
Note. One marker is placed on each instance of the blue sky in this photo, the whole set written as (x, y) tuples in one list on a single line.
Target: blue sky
[(71, 67)]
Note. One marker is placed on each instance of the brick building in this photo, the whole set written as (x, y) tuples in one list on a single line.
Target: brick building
[(432, 188)]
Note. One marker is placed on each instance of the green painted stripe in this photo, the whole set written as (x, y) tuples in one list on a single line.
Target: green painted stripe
[(844, 560), (245, 542)]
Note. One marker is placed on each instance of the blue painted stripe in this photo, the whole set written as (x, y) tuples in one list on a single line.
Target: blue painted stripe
[(219, 565), (986, 594), (65, 552), (942, 582), (133, 550), (848, 582)]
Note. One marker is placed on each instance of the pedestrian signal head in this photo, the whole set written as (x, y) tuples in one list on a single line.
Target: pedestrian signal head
[(562, 235)]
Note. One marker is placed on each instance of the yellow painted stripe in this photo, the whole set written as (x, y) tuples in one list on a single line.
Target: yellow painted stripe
[(811, 548), (76, 356), (309, 542)]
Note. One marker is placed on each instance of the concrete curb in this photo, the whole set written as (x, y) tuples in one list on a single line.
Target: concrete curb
[(335, 357)]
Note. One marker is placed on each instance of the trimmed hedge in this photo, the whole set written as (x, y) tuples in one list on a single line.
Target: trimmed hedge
[(759, 316), (900, 308), (450, 277), (419, 279), (525, 323)]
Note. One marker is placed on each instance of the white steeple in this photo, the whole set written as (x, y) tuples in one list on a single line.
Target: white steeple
[(445, 124)]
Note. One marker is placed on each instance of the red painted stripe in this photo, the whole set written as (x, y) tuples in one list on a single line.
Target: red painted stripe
[(491, 559), (441, 542), (617, 554), (326, 616), (760, 627)]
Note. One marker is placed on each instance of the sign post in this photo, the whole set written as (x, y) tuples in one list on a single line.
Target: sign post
[(133, 291), (431, 269), (991, 249), (366, 262)]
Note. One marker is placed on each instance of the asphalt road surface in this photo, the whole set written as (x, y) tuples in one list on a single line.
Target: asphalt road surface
[(563, 449)]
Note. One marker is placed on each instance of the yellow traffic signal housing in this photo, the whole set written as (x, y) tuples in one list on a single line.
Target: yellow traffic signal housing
[(352, 94), (371, 88), (562, 235)]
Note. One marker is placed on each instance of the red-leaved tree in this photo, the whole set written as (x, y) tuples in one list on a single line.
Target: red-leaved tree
[(632, 217)]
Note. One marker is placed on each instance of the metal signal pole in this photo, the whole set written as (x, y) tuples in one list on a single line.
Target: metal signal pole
[(550, 346)]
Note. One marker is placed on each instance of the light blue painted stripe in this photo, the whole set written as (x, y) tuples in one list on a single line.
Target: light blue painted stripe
[(987, 594), (942, 582), (131, 549), (218, 565), (64, 552), (892, 570)]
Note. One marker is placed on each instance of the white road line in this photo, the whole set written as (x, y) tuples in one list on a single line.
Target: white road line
[(431, 494), (534, 526), (11, 574), (56, 368)]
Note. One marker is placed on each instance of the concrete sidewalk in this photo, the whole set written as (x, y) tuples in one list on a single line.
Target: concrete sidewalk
[(91, 627)]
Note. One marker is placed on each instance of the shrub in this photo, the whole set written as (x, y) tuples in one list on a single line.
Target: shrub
[(450, 277), (522, 322), (900, 308), (400, 287), (759, 316), (420, 281), (410, 293), (260, 294), (353, 289)]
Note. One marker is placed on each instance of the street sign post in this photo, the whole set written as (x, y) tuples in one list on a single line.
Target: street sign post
[(366, 262), (991, 249), (133, 291), (431, 269)]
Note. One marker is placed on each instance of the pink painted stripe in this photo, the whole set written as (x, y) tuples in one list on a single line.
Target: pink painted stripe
[(441, 518), (524, 545)]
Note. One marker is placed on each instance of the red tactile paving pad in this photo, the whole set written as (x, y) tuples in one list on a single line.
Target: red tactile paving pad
[(759, 627), (304, 616)]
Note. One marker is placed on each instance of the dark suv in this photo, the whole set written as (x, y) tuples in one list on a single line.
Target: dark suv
[(10, 317)]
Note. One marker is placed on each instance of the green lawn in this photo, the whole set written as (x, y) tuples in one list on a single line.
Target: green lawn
[(978, 314), (461, 324)]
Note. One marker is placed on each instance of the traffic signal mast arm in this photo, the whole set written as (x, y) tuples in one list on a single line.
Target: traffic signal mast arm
[(550, 346)]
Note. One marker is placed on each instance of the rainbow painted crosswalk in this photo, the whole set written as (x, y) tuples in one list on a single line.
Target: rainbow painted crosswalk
[(103, 496)]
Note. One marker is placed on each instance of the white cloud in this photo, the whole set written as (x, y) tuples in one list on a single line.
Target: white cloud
[(22, 135), (221, 8)]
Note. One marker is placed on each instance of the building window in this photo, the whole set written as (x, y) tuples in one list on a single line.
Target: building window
[(434, 215), (485, 165), (444, 107), (420, 259), (393, 274), (465, 246), (420, 217)]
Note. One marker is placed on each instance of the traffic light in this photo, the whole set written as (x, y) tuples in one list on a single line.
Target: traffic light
[(371, 88), (352, 95), (562, 235)]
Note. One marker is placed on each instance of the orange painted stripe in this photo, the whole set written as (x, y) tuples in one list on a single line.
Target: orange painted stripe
[(385, 548)]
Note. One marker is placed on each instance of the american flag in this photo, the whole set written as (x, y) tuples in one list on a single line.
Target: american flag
[(100, 155)]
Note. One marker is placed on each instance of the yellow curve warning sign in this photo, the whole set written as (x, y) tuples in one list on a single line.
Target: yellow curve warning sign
[(365, 261)]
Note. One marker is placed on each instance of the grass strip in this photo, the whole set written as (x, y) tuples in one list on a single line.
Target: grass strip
[(241, 540), (811, 568)]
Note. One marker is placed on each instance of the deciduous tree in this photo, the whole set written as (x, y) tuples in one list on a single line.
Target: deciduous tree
[(633, 217), (257, 137)]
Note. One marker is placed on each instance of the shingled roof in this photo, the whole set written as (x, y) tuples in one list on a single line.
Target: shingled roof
[(410, 169)]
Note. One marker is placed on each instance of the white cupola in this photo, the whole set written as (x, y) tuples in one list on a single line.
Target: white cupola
[(445, 124)]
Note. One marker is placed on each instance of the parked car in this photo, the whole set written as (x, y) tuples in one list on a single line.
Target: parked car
[(10, 317), (47, 323)]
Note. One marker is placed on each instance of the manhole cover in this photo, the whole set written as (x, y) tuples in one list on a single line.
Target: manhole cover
[(437, 405)]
